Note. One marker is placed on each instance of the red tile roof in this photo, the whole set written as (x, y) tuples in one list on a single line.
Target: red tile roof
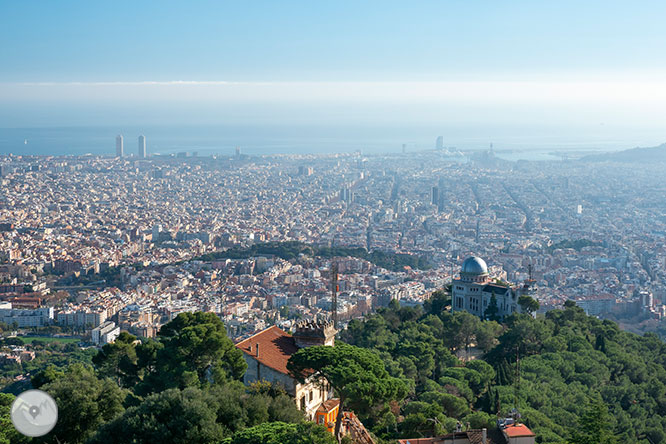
[(518, 430), (275, 348)]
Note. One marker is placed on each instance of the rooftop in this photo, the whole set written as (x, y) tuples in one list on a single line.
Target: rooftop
[(275, 348), (517, 430), (328, 405), (474, 266)]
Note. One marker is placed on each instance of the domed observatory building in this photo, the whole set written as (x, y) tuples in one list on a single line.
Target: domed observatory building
[(474, 290)]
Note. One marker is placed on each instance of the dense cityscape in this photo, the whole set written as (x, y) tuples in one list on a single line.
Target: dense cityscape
[(92, 240), (332, 222)]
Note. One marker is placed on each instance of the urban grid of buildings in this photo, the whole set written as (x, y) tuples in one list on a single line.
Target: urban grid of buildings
[(115, 243)]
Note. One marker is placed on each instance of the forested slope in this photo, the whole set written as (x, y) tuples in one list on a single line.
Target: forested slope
[(570, 364), (400, 373)]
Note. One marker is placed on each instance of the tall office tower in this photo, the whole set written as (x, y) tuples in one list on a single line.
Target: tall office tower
[(439, 143), (119, 145), (142, 146), (157, 230), (434, 196), (238, 152), (346, 195)]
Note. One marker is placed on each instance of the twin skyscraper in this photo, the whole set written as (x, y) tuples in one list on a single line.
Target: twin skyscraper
[(142, 146)]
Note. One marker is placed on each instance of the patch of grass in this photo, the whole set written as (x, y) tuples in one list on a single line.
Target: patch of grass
[(48, 339)]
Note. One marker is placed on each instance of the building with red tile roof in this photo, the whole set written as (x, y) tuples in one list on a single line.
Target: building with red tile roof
[(518, 434), (267, 354), (511, 434)]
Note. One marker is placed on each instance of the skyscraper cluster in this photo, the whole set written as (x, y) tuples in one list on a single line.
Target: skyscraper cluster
[(120, 150)]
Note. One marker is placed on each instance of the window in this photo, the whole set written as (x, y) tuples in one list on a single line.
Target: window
[(311, 396)]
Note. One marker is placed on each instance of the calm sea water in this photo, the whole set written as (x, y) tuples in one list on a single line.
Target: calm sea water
[(511, 144)]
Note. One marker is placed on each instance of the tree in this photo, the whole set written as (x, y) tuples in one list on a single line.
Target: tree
[(594, 426), (172, 416), (438, 301), (194, 350), (524, 336), (487, 334), (528, 304), (118, 360), (463, 328), (279, 406), (357, 375), (492, 311), (8, 434), (84, 403), (282, 433), (49, 374)]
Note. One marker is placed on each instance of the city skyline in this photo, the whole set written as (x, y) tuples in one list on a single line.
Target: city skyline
[(334, 222)]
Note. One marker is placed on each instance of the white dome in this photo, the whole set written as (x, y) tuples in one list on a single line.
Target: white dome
[(474, 265)]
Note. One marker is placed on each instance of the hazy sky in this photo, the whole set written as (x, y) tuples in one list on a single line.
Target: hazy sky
[(556, 62)]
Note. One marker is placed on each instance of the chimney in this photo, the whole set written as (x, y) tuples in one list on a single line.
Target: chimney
[(257, 349), (484, 436)]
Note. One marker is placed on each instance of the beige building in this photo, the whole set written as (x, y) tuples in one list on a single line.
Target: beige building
[(267, 353), (474, 289)]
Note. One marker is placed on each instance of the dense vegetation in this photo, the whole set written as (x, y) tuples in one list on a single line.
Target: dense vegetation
[(182, 387), (291, 250), (48, 351), (404, 371), (357, 375), (572, 368)]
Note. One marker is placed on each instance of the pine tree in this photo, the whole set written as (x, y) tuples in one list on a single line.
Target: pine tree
[(594, 426), (492, 310)]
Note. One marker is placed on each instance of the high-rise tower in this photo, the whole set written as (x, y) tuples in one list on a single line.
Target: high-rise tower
[(142, 146), (434, 196), (119, 145)]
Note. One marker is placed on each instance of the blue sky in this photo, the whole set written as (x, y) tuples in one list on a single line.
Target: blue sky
[(72, 57), (341, 40)]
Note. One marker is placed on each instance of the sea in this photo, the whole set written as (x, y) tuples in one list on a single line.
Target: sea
[(261, 140)]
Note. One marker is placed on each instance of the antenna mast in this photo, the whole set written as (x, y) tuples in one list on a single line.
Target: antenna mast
[(334, 293), (517, 384)]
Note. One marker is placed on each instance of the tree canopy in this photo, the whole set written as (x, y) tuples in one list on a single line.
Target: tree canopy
[(566, 361), (84, 401), (404, 371), (192, 349), (282, 433), (8, 434), (357, 375)]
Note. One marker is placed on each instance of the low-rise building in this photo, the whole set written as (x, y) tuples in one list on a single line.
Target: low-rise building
[(474, 291), (267, 353), (38, 317), (105, 333)]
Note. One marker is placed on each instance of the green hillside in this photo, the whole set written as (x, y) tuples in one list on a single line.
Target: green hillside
[(570, 364), (573, 378)]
